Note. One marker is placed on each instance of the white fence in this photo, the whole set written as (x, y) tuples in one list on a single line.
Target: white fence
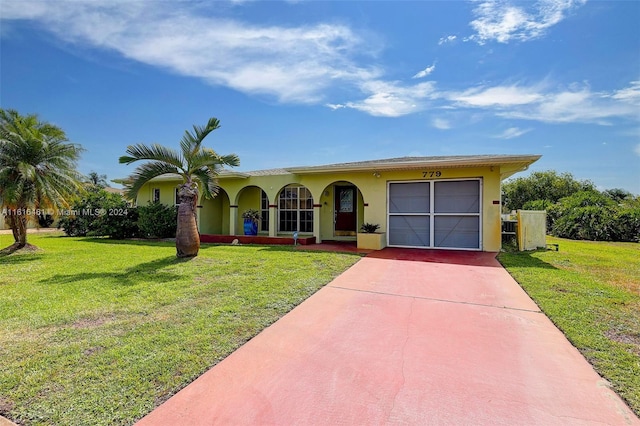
[(531, 229)]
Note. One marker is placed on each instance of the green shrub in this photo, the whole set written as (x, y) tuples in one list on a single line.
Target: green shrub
[(45, 220), (74, 225), (100, 213), (543, 185), (116, 220), (585, 215), (157, 220), (628, 221), (537, 205)]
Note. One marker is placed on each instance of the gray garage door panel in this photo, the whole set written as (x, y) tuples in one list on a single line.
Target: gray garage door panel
[(409, 197), (457, 197), (457, 232), (412, 231)]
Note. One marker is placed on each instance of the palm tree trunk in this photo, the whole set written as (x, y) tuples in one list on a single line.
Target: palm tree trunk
[(187, 235), (18, 226)]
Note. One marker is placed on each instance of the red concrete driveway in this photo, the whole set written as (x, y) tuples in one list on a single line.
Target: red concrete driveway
[(405, 337)]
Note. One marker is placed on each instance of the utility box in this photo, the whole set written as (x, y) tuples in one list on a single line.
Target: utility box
[(532, 229)]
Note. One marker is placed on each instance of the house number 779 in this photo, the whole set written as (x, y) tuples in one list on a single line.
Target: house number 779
[(432, 173)]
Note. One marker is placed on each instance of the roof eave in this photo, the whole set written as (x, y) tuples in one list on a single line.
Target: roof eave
[(522, 161), (169, 177)]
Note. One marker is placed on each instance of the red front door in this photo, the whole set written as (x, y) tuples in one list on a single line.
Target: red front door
[(345, 212)]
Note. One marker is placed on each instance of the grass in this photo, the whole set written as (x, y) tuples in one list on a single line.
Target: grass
[(96, 331), (591, 291)]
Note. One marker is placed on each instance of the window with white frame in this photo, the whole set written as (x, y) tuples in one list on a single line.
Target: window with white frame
[(155, 196), (177, 197), (295, 209)]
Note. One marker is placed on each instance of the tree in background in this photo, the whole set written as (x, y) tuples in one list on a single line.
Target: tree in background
[(37, 169), (198, 166), (576, 209), (618, 195), (94, 179), (546, 188)]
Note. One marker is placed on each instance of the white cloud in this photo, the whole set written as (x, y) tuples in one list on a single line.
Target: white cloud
[(499, 96), (293, 64), (425, 72), (441, 123), (512, 132), (502, 21), (447, 39), (629, 94), (581, 105), (637, 150), (335, 106), (303, 64), (577, 104), (393, 99)]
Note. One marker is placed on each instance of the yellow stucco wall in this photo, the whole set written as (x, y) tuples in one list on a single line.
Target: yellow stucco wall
[(244, 192), (167, 193), (248, 198), (214, 215)]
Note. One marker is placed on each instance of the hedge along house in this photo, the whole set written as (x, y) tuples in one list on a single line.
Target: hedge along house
[(448, 202)]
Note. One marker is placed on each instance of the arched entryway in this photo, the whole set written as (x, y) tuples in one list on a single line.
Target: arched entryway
[(214, 214), (253, 197), (342, 211)]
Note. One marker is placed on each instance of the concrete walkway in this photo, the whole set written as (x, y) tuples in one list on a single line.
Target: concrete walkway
[(405, 337)]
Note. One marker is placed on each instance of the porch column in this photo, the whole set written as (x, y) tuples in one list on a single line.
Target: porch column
[(316, 222), (233, 219), (198, 209), (273, 220)]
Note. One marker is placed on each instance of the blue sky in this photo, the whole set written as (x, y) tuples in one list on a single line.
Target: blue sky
[(308, 82)]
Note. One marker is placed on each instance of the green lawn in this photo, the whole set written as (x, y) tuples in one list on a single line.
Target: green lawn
[(591, 291), (94, 331)]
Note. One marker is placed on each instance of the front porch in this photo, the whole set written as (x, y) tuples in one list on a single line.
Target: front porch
[(304, 243), (255, 239)]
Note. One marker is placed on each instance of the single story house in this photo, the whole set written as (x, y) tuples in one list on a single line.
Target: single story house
[(444, 202)]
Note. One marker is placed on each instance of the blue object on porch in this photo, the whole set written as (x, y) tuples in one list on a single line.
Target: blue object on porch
[(250, 227)]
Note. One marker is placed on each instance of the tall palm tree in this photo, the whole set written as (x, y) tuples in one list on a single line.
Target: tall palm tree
[(96, 180), (37, 169), (198, 166)]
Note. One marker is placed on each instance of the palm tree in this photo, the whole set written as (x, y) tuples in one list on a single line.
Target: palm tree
[(37, 169), (198, 167), (96, 180)]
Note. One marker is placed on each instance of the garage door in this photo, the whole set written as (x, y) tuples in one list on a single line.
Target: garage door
[(435, 214)]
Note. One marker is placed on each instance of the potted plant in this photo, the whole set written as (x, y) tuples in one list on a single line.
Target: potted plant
[(251, 218), (369, 228), (369, 238)]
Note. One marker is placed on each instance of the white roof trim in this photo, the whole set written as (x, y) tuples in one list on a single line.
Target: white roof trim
[(509, 165), (421, 162)]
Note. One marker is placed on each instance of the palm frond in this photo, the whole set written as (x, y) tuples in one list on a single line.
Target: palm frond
[(230, 160), (207, 157), (193, 163), (191, 142), (144, 173), (208, 182), (154, 152)]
